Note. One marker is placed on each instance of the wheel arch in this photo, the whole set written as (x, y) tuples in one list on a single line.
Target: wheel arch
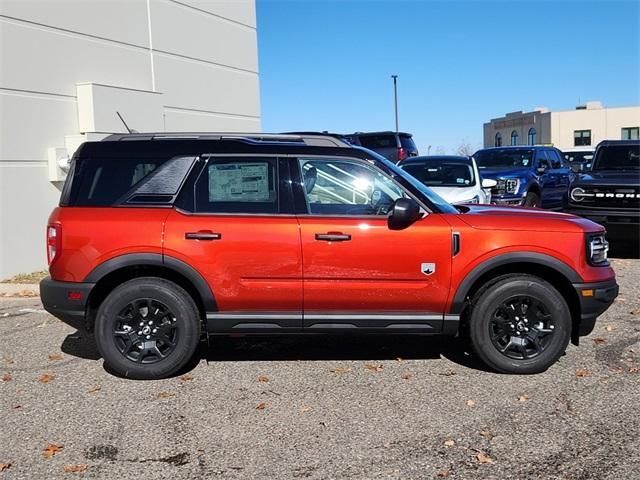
[(117, 270), (548, 268)]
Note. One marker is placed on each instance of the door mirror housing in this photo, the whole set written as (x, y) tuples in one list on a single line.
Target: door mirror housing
[(578, 167), (541, 170), (488, 183), (404, 212)]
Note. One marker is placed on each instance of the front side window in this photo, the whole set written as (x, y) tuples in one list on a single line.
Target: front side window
[(238, 185), (336, 186), (581, 138), (514, 138), (532, 136), (630, 133), (554, 158)]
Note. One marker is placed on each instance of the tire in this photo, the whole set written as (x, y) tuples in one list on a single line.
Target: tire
[(169, 317), (500, 313), (532, 199)]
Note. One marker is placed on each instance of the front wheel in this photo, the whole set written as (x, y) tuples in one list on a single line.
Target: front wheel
[(147, 328), (520, 324), (532, 199)]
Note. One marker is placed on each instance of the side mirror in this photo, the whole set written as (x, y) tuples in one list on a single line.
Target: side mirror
[(404, 212), (488, 183), (541, 170), (577, 167)]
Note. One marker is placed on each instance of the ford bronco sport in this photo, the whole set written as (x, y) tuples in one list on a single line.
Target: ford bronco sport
[(163, 240)]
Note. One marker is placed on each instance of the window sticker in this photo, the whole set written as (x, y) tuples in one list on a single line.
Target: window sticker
[(460, 180), (525, 161), (246, 182)]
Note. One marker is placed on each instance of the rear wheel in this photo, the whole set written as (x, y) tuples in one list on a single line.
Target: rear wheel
[(532, 199), (147, 328), (520, 324)]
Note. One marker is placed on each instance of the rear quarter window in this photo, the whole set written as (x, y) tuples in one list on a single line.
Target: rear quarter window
[(378, 141)]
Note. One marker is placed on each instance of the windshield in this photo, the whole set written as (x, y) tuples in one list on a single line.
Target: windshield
[(410, 182), (442, 173), (579, 157), (618, 157), (503, 158)]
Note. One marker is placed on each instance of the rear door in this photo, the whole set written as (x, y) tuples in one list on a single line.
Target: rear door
[(562, 177), (358, 272), (546, 179), (236, 228)]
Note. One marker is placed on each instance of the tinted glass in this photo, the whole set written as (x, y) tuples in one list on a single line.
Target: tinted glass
[(554, 157), (335, 186), (102, 181), (408, 144), (238, 185), (581, 137), (503, 158), (579, 157), (378, 141), (442, 173), (618, 157)]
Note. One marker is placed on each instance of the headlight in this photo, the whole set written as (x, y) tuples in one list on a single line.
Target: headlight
[(475, 199), (510, 185), (597, 249)]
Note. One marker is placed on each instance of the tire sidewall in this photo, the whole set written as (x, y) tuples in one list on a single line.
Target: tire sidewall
[(532, 199), (502, 291), (178, 302)]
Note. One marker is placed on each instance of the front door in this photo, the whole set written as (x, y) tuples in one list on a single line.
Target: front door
[(238, 232), (358, 272)]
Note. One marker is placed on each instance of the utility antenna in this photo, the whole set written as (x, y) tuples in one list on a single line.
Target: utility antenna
[(125, 123)]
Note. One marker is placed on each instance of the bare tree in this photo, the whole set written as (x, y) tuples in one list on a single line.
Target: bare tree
[(464, 148)]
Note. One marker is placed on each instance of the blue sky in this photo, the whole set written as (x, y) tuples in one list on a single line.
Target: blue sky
[(326, 65)]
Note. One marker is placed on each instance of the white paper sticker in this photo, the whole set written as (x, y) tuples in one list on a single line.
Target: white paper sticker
[(246, 182)]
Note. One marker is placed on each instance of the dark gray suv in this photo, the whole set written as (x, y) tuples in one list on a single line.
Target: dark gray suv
[(391, 145)]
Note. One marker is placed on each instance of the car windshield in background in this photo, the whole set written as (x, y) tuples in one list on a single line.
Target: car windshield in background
[(442, 173), (504, 158), (373, 142), (579, 157), (618, 157)]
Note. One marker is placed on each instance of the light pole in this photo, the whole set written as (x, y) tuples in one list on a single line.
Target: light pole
[(395, 97)]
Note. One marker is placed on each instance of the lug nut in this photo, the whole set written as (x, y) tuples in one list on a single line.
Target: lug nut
[(526, 329), (150, 322), (148, 337), (155, 330), (141, 324), (140, 333)]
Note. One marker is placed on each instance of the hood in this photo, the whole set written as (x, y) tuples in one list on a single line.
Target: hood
[(456, 194), (614, 178), (493, 217), (495, 173)]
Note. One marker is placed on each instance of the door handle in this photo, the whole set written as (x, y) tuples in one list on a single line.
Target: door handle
[(333, 237), (203, 235)]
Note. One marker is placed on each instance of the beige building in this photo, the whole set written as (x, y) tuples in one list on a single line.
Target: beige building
[(67, 67), (585, 126)]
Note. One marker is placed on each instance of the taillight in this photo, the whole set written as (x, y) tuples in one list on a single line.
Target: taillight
[(402, 154), (54, 234)]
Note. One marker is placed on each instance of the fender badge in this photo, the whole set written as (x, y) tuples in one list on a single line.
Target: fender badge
[(428, 268)]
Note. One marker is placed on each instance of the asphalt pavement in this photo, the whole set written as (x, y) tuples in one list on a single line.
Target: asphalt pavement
[(321, 407)]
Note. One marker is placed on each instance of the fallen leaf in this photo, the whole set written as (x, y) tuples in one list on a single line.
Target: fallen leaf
[(186, 378), (599, 341), (609, 328), (617, 370), (7, 377), (449, 443), (406, 376), (483, 458), (582, 372), (263, 379), (373, 368), (306, 409), (444, 474), (54, 357), (339, 370), (79, 468), (4, 466), (27, 293), (94, 389), (8, 360), (523, 398), (635, 311), (471, 403), (166, 395), (51, 449), (261, 406), (398, 359), (485, 433), (17, 406), (448, 373), (634, 369), (46, 378)]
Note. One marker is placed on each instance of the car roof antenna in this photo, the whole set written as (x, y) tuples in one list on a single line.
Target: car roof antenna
[(125, 124)]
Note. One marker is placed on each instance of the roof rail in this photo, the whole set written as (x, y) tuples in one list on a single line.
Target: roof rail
[(316, 140)]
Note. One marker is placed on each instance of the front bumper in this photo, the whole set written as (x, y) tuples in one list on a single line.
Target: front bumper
[(595, 298), (66, 300), (507, 199)]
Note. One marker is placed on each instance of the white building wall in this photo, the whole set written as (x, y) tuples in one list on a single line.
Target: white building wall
[(66, 66)]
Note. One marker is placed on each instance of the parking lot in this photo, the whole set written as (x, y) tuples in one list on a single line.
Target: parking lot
[(354, 407)]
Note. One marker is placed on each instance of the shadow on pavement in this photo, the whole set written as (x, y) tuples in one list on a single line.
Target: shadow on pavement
[(308, 348), (624, 250)]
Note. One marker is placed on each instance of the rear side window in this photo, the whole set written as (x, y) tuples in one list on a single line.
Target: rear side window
[(378, 141), (408, 144), (238, 185), (101, 182)]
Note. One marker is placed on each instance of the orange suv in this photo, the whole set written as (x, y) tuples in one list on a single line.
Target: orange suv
[(162, 240)]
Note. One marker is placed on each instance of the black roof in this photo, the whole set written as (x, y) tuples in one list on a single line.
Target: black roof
[(606, 143), (437, 158), (386, 132)]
